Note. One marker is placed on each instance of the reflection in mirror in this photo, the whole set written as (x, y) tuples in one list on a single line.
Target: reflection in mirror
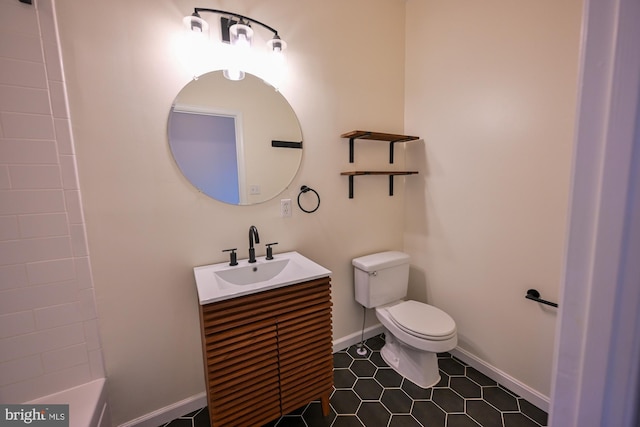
[(237, 141)]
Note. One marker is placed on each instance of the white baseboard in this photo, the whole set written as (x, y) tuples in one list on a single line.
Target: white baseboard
[(171, 412), (354, 338), (164, 415), (190, 404), (532, 396)]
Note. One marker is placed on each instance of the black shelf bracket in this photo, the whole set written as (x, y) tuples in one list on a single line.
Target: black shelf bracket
[(391, 150), (352, 145), (534, 295), (351, 150), (392, 147), (391, 175), (351, 186)]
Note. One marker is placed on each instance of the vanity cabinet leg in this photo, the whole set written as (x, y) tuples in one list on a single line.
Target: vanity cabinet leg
[(325, 404)]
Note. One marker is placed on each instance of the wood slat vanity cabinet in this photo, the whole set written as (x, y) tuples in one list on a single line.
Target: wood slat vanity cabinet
[(268, 353)]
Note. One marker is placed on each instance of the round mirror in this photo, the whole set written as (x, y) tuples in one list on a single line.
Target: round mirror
[(239, 142)]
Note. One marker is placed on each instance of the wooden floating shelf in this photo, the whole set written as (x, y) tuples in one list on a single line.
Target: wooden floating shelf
[(392, 138), (378, 136), (390, 174), (354, 173)]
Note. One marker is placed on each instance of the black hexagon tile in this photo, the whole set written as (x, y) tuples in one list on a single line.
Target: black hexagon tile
[(368, 393)]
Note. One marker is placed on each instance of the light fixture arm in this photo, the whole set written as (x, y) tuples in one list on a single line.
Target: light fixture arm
[(197, 10)]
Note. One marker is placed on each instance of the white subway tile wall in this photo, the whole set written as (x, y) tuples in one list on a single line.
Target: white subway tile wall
[(49, 337)]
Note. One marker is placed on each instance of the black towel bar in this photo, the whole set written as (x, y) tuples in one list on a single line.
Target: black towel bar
[(534, 295)]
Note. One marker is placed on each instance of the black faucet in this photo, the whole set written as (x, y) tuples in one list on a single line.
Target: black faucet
[(253, 233)]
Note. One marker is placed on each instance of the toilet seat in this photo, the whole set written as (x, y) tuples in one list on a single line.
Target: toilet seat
[(422, 320)]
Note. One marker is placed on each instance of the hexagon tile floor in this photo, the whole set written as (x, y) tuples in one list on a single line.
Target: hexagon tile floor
[(369, 393)]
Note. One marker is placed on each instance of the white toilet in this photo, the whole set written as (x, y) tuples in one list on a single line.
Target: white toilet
[(414, 331)]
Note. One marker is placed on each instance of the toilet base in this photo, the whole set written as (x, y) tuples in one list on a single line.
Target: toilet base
[(418, 366)]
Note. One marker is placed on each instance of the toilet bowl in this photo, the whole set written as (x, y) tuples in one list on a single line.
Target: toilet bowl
[(413, 353), (414, 331)]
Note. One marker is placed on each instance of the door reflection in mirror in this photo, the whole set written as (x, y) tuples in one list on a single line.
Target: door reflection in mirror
[(206, 148)]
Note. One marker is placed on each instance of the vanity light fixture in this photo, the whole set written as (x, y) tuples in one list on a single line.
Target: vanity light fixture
[(236, 30)]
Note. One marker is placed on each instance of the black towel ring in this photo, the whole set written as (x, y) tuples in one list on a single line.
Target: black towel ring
[(305, 189)]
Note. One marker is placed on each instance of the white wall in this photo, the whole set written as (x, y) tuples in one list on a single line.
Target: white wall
[(48, 323), (147, 227), (491, 87)]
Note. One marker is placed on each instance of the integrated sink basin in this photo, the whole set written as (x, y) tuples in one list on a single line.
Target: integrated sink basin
[(253, 273), (221, 281)]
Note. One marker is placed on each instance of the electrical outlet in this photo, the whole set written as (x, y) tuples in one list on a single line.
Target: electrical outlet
[(285, 208)]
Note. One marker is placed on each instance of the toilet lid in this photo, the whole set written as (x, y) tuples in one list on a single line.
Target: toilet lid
[(422, 320)]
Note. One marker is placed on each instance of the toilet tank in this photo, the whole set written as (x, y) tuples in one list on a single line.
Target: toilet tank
[(381, 278)]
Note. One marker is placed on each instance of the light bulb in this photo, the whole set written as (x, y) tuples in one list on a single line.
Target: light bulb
[(276, 44), (233, 74), (195, 24), (241, 35)]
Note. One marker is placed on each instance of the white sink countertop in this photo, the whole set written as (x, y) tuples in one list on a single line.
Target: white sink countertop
[(218, 282)]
